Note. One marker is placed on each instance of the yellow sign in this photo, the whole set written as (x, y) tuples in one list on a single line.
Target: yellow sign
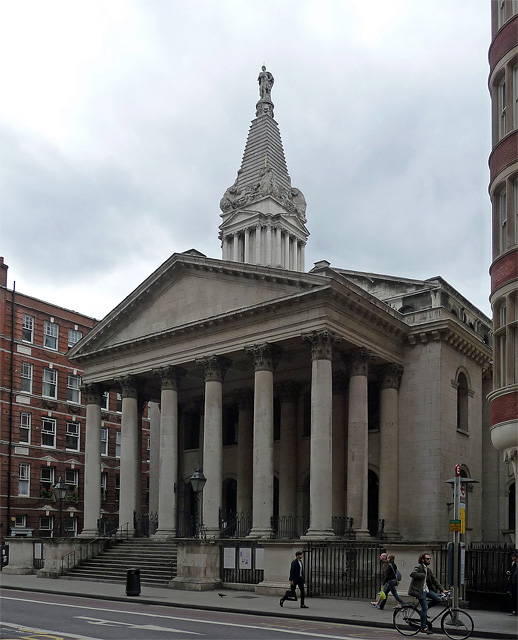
[(455, 525), (463, 520)]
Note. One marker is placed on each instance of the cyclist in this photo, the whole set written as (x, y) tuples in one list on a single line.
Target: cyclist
[(425, 585)]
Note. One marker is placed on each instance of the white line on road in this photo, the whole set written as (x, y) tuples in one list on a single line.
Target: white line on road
[(158, 615), (144, 627), (53, 634)]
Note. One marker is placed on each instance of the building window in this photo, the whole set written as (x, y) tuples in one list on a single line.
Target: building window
[(74, 336), (502, 212), (73, 392), (50, 335), (72, 436), (46, 526), (50, 383), (27, 328), (25, 428), (119, 403), (117, 444), (48, 433), (105, 401), (24, 479), (47, 482), (501, 106), (71, 478), (462, 402), (26, 378), (148, 449), (104, 486), (70, 526), (20, 521), (117, 487), (515, 96), (104, 441)]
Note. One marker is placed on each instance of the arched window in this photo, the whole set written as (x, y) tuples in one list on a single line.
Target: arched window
[(462, 402)]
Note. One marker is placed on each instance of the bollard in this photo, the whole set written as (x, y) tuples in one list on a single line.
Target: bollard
[(133, 582)]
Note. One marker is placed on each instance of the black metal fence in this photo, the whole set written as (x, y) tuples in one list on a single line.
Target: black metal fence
[(344, 569), (235, 525), (486, 580), (240, 564)]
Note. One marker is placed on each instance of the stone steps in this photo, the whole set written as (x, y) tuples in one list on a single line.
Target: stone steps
[(156, 560)]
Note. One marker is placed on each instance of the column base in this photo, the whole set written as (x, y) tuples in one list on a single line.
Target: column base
[(260, 532), (164, 534), (88, 533), (362, 534), (195, 584), (318, 534)]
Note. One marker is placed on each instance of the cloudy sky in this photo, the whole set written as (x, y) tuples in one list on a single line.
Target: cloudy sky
[(123, 122)]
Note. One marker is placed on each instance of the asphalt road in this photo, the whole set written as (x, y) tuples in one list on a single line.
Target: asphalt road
[(40, 616)]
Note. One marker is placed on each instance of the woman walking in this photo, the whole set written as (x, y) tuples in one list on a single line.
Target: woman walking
[(391, 582)]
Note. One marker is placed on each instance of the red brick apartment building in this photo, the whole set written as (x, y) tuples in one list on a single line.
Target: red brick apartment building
[(42, 420)]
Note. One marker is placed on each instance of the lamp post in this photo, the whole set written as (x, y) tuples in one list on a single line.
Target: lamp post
[(198, 481), (60, 491), (455, 527)]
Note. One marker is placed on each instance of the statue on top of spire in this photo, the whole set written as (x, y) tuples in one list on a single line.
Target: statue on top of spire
[(266, 81)]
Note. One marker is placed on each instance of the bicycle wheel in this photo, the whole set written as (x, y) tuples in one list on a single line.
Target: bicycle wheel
[(457, 624), (407, 620)]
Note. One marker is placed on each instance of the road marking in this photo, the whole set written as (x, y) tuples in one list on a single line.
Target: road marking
[(158, 615), (145, 627), (45, 633)]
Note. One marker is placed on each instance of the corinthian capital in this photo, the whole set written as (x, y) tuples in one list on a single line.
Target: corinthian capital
[(266, 356), (321, 343), (390, 377), (129, 386), (92, 393), (214, 367), (169, 377), (358, 362)]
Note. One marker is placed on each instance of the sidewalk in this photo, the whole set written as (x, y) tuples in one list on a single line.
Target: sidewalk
[(488, 624)]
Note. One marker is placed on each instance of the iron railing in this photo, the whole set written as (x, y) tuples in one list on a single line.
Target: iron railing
[(93, 548), (289, 527), (486, 566), (239, 564), (145, 524), (235, 525)]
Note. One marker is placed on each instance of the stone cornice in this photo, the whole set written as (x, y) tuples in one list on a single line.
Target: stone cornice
[(455, 336)]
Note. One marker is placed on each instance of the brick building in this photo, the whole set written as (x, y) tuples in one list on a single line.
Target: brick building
[(42, 419), (503, 189)]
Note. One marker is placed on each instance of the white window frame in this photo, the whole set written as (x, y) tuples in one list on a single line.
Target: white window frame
[(501, 105), (48, 428), (73, 431), (104, 441), (20, 521), (117, 487), (119, 403), (105, 401), (26, 373), (47, 520), (104, 485), (118, 440), (72, 477), (74, 335), (502, 211), (51, 473), (73, 388), (49, 386), (25, 427), (70, 519), (24, 479), (51, 335), (27, 328)]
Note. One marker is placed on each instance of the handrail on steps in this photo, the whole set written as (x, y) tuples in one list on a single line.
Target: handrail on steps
[(86, 551)]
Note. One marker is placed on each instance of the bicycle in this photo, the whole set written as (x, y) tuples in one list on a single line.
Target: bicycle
[(455, 623)]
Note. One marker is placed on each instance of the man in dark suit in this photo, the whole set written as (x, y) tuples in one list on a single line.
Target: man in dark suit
[(297, 579)]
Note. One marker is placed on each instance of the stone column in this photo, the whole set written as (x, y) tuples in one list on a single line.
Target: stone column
[(357, 445), (92, 472), (262, 499), (288, 394), (130, 461), (258, 244), (321, 462), (286, 262), (247, 245), (269, 255), (235, 251), (339, 445), (389, 448), (245, 451), (168, 474), (293, 254), (302, 263), (214, 368)]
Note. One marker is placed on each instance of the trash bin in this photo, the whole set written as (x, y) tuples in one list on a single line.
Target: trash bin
[(133, 582)]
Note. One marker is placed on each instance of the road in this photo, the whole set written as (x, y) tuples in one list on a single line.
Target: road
[(42, 616)]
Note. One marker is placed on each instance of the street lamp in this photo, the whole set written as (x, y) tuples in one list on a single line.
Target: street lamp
[(455, 527), (60, 491), (198, 481)]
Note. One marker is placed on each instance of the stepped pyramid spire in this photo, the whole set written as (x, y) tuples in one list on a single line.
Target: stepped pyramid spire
[(263, 215)]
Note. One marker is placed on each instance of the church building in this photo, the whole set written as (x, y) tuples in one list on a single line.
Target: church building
[(316, 404)]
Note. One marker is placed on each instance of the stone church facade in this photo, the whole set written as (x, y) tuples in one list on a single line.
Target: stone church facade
[(314, 402)]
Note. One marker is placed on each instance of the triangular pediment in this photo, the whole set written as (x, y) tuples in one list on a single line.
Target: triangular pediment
[(187, 290)]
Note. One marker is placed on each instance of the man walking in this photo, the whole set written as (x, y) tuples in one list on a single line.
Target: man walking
[(297, 579)]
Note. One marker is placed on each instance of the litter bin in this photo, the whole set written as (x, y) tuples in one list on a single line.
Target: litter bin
[(133, 582)]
